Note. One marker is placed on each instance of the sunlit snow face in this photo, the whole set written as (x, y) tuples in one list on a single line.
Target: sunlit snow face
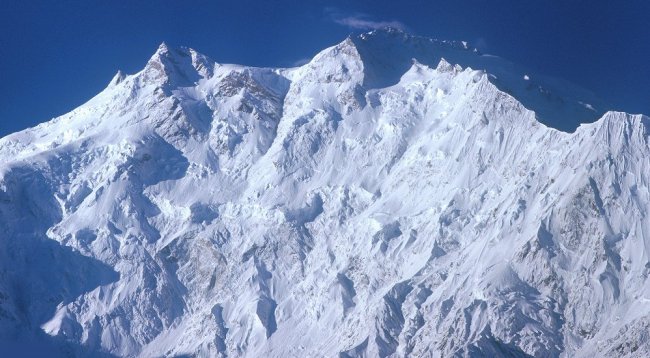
[(356, 205)]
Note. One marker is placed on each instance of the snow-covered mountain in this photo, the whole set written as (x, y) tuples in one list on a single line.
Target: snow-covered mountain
[(396, 196)]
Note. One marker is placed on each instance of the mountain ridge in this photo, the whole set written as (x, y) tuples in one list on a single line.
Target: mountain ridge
[(223, 210)]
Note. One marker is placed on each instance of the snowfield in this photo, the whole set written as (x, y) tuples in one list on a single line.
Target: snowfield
[(395, 196)]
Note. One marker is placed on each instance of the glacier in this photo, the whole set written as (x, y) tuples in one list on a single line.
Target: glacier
[(397, 196)]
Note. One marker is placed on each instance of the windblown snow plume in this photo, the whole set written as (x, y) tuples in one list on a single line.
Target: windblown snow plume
[(395, 196)]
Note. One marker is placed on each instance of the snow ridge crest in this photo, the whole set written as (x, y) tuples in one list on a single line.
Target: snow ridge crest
[(389, 198)]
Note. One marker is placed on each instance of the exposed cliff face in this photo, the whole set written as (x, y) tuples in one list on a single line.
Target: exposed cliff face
[(376, 201)]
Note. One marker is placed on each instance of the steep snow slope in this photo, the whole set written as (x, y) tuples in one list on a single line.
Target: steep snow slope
[(355, 206)]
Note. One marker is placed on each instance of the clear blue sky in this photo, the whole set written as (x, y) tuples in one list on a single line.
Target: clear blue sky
[(55, 55)]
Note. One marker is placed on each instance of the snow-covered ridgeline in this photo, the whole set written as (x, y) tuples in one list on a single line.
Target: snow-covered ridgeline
[(387, 198)]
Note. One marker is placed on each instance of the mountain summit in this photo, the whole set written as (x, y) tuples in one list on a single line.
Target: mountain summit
[(395, 196)]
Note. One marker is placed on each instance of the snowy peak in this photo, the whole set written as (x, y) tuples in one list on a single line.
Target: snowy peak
[(394, 197), (387, 53), (162, 50), (202, 63), (117, 79), (444, 66), (340, 63), (177, 67), (379, 58)]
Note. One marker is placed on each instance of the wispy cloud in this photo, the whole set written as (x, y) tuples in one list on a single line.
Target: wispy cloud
[(300, 62), (361, 21)]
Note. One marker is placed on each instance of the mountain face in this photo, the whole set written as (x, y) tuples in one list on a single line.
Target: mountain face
[(396, 196)]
